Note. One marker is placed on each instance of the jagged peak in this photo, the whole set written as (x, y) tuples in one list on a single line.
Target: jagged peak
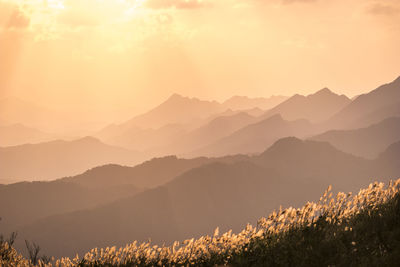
[(180, 98)]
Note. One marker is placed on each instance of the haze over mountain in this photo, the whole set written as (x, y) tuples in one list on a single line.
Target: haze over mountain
[(176, 117), (51, 160), (244, 102), (93, 187), (315, 107), (255, 137), (16, 111), (367, 142), (176, 110), (142, 139), (228, 195), (17, 134), (373, 107), (216, 129)]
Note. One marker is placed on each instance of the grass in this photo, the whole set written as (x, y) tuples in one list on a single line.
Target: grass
[(345, 230)]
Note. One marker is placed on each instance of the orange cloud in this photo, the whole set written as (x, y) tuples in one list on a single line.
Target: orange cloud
[(18, 20), (297, 1), (11, 17), (383, 9), (179, 4)]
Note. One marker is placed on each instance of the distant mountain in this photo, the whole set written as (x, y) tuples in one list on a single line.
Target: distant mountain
[(176, 110), (15, 110), (316, 162), (369, 108), (254, 138), (17, 134), (147, 139), (367, 142), (227, 195), (177, 119), (59, 158), (244, 102), (316, 107), (211, 132), (148, 174), (255, 112)]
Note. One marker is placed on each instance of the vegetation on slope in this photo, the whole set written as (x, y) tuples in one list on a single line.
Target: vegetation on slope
[(344, 230)]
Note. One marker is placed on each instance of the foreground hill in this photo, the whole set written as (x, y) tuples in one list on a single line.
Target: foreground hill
[(34, 200), (227, 195), (342, 231), (100, 185), (367, 142), (316, 107), (59, 158), (373, 107)]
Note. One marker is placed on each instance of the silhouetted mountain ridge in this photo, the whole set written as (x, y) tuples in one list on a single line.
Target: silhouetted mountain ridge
[(255, 137), (225, 194), (367, 142), (384, 98), (315, 107), (58, 158)]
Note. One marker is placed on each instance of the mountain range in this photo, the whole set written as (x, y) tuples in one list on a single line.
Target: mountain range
[(224, 193), (255, 137), (236, 163), (54, 159), (17, 134), (170, 130), (369, 108), (316, 107), (367, 142)]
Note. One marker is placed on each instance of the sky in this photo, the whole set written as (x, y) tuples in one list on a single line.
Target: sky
[(115, 58)]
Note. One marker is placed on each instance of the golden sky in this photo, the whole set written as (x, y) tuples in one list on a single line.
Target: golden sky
[(118, 57)]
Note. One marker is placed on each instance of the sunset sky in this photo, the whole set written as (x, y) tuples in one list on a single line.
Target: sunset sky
[(115, 58)]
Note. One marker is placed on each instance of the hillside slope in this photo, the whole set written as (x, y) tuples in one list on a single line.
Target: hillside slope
[(215, 194)]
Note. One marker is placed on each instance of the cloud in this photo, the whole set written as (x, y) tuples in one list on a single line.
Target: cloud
[(383, 9), (297, 1), (178, 4), (11, 17), (18, 20)]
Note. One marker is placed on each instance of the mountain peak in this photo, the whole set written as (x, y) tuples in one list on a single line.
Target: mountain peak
[(324, 91), (176, 96)]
